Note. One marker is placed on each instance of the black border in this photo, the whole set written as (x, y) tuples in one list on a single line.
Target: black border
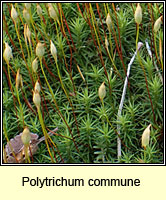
[(59, 164)]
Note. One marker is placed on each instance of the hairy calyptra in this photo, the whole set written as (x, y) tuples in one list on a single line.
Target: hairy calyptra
[(138, 14), (102, 91), (146, 136)]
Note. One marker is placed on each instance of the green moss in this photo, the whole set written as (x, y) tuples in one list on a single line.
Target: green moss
[(84, 133)]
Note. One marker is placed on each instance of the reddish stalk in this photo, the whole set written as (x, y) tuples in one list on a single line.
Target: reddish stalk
[(27, 102), (118, 31), (148, 93), (98, 10), (69, 31), (100, 55), (117, 46), (56, 104), (14, 99), (152, 20), (81, 12)]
